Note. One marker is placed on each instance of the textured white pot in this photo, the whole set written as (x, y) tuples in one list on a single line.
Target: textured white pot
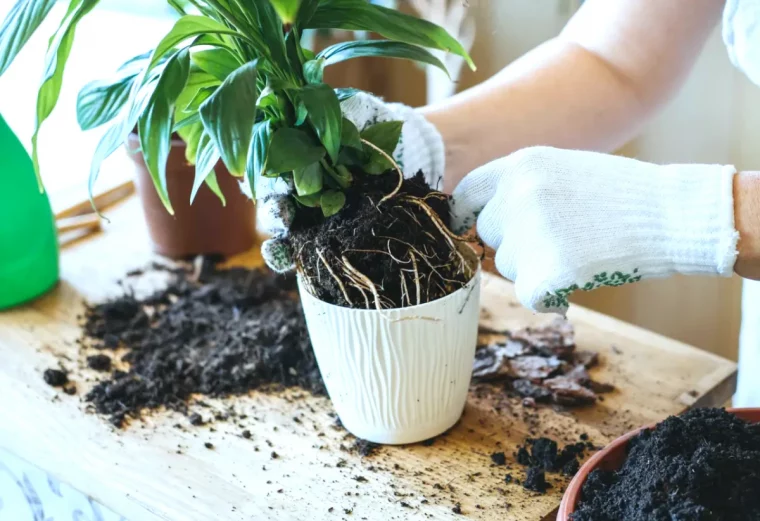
[(400, 375)]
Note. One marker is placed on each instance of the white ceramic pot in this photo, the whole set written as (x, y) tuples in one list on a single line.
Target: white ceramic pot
[(400, 375)]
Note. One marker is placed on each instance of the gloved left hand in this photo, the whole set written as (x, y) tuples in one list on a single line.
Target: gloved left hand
[(564, 220), (420, 148)]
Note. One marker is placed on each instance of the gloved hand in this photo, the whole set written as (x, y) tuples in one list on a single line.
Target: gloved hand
[(420, 149), (563, 220)]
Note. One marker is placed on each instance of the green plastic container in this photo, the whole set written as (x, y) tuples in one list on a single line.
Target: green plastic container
[(28, 239)]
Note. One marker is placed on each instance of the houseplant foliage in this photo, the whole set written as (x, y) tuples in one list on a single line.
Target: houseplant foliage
[(232, 79)]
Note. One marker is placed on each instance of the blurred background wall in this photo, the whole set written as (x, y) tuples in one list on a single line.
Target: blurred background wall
[(716, 118)]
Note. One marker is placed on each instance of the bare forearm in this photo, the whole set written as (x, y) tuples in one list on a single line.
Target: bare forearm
[(747, 222), (590, 88), (545, 98)]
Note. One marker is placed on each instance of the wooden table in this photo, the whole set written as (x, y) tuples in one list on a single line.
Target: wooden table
[(155, 471)]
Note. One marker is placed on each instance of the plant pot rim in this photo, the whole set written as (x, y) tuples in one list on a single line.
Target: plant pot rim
[(476, 276), (573, 493)]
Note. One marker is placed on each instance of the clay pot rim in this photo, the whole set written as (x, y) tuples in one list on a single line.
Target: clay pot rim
[(573, 493), (175, 143)]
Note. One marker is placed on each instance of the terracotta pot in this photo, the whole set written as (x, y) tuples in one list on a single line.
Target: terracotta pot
[(613, 456), (206, 226)]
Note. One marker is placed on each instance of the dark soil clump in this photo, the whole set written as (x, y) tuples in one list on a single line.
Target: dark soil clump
[(540, 365), (394, 244), (701, 466), (230, 332), (55, 377), (543, 455), (99, 362), (536, 480)]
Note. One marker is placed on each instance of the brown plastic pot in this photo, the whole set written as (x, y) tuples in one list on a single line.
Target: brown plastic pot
[(205, 227), (613, 456)]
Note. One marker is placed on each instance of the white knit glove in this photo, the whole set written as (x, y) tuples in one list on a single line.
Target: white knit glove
[(563, 220), (741, 35), (420, 149)]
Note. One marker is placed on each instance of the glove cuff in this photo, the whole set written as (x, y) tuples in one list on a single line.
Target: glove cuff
[(700, 237)]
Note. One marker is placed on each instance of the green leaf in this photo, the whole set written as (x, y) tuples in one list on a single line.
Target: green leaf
[(257, 156), (118, 132), (200, 98), (308, 8), (218, 62), (340, 175), (197, 81), (186, 121), (325, 115), (301, 113), (19, 25), (346, 93), (360, 15), (206, 159), (287, 10), (229, 115), (191, 135), (270, 29), (331, 202), (188, 27), (294, 51), (58, 52), (290, 149), (380, 48), (312, 71), (349, 135), (101, 101), (385, 136), (213, 183), (155, 124), (312, 201), (308, 180)]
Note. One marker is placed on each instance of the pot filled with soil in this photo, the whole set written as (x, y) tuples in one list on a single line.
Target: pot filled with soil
[(702, 465), (210, 225), (393, 316)]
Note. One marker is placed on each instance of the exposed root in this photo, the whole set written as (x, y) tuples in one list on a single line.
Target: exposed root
[(395, 166), (404, 289), (416, 278), (364, 279), (337, 279)]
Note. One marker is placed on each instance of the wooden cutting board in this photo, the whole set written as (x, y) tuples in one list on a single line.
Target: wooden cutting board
[(292, 467)]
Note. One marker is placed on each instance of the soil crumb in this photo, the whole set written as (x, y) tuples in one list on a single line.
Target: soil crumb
[(364, 448), (543, 455), (55, 377), (394, 244), (540, 365), (99, 362), (701, 466), (228, 332)]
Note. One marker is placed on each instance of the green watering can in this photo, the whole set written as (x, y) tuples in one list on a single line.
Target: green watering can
[(28, 239)]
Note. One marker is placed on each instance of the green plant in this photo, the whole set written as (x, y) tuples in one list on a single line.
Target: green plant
[(233, 80)]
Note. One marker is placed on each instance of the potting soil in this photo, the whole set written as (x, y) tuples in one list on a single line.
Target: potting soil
[(701, 466), (393, 243), (229, 332)]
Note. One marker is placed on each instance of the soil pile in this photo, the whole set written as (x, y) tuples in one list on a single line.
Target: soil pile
[(226, 332), (701, 466), (390, 253), (541, 364)]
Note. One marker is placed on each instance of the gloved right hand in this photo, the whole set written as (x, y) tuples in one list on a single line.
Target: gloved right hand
[(567, 220), (420, 149)]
